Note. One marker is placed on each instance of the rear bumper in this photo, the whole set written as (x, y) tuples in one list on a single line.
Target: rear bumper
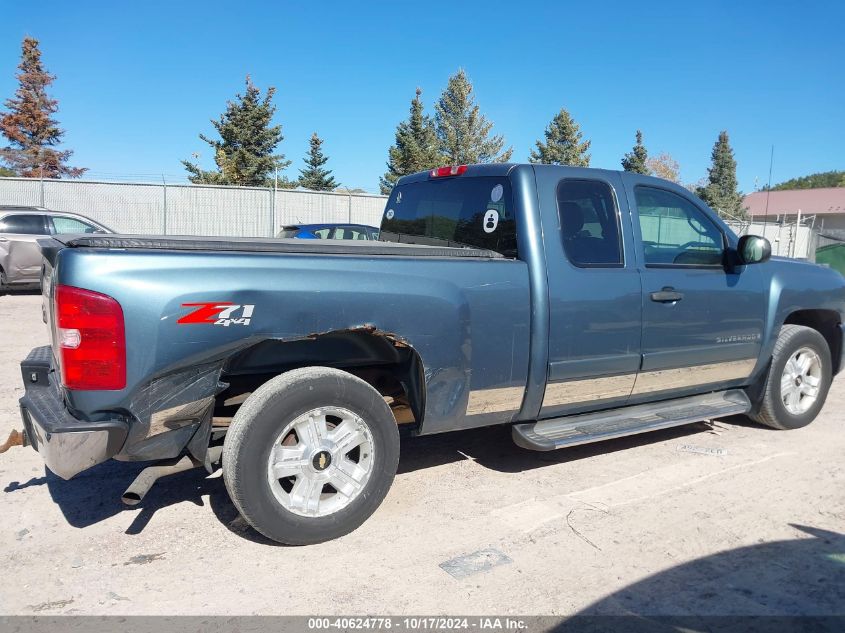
[(66, 444)]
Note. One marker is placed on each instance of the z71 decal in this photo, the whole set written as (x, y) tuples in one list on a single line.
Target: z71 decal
[(222, 313)]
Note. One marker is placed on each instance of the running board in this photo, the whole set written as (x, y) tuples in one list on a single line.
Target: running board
[(547, 435)]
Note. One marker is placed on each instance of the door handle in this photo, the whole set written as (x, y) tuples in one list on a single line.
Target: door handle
[(667, 295)]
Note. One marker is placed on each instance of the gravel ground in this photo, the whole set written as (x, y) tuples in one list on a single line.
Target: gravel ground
[(723, 519)]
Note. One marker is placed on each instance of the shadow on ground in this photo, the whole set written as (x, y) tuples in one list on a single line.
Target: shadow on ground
[(94, 495), (17, 292), (801, 577)]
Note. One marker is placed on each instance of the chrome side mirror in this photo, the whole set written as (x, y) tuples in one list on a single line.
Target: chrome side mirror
[(753, 249)]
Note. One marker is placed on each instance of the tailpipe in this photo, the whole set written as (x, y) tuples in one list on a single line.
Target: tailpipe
[(138, 489)]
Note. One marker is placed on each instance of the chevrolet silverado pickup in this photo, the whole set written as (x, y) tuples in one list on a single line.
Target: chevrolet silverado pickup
[(572, 304)]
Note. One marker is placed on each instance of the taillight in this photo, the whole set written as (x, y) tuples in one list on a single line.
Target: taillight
[(90, 338), (449, 170)]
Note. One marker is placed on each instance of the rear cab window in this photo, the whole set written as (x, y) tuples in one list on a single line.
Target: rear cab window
[(463, 212)]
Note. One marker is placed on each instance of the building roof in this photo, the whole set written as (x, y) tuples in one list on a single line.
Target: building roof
[(827, 201)]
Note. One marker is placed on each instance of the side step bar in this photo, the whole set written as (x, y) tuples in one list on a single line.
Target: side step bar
[(547, 435)]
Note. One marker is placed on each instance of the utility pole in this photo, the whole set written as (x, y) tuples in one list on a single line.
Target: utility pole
[(164, 182)]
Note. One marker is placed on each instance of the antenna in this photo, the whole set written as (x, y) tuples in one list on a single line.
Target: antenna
[(768, 189)]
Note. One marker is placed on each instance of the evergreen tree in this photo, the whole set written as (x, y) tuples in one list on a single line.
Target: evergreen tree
[(314, 176), (563, 144), (415, 148), (244, 154), (636, 160), (462, 131), (721, 192), (29, 125)]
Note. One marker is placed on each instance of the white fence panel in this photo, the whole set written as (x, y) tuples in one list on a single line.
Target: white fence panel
[(153, 208), (20, 191), (131, 208), (232, 211)]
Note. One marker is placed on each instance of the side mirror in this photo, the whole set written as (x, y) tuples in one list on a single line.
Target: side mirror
[(753, 249)]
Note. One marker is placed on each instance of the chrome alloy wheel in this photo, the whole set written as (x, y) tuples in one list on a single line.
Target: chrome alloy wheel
[(801, 381), (321, 462)]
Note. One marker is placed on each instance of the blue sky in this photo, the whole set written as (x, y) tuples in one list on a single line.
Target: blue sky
[(138, 81)]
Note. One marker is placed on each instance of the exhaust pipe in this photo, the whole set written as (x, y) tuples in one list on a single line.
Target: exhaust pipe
[(138, 489)]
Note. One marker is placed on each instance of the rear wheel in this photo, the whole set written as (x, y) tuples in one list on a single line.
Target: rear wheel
[(4, 285), (310, 455), (798, 381)]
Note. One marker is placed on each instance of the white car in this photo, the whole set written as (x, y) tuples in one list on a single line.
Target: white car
[(20, 229)]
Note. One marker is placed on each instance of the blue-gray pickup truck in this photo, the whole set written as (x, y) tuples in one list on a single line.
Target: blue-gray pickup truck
[(572, 304)]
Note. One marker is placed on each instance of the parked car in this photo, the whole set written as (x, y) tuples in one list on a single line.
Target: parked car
[(572, 304), (20, 227), (329, 232)]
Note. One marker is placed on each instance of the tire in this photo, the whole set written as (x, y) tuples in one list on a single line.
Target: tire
[(326, 410), (4, 287), (774, 411)]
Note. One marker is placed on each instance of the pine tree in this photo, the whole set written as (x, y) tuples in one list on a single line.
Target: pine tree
[(721, 192), (29, 125), (563, 144), (463, 132), (244, 154), (314, 176), (415, 148), (636, 160)]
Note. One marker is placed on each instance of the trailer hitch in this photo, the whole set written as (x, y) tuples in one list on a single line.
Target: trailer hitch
[(16, 438)]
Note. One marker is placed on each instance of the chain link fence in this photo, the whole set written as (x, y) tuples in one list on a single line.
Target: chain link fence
[(182, 209)]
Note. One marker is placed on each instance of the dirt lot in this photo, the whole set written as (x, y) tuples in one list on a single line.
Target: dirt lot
[(660, 523)]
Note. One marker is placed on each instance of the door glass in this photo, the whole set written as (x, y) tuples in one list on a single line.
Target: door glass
[(71, 225), (23, 224), (589, 223), (323, 234), (675, 231)]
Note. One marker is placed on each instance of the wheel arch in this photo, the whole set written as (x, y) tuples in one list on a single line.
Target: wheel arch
[(826, 323), (382, 359)]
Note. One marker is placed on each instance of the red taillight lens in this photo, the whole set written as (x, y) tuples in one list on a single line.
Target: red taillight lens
[(449, 170), (90, 339)]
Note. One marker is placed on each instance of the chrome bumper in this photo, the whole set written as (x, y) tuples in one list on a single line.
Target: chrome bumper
[(66, 444)]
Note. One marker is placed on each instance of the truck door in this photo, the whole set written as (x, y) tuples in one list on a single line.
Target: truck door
[(702, 324), (594, 290)]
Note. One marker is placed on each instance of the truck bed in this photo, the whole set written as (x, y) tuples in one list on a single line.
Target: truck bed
[(268, 245)]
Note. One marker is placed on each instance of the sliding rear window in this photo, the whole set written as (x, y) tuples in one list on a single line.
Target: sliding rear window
[(458, 211)]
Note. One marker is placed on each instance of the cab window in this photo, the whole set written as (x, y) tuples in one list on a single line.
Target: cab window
[(675, 232), (589, 223)]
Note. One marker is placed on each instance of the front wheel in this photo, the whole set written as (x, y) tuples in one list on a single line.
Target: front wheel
[(310, 455), (798, 381)]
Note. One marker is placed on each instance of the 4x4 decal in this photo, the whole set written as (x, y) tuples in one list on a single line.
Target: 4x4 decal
[(223, 313)]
